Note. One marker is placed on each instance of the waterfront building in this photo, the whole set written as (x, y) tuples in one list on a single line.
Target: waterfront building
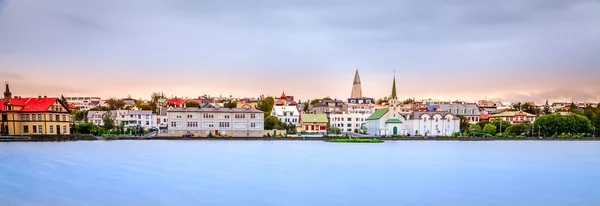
[(33, 116), (97, 117), (469, 110), (514, 117), (129, 118), (358, 109), (236, 122), (84, 103), (328, 107), (394, 120), (286, 110), (313, 123)]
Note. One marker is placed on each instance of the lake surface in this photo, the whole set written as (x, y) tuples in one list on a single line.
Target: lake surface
[(300, 173)]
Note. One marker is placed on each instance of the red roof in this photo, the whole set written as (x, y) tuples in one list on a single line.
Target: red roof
[(283, 96), (484, 116), (72, 106), (176, 101), (31, 104)]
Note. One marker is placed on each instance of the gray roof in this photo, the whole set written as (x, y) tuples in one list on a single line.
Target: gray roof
[(140, 112), (461, 109), (90, 114), (215, 110), (417, 115)]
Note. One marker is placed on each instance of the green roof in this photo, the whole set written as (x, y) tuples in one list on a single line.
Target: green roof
[(511, 114), (314, 118), (378, 114), (394, 89), (393, 121)]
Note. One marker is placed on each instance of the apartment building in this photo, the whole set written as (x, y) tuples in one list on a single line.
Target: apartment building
[(200, 122)]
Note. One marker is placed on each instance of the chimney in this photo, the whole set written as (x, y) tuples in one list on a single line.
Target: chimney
[(45, 96), (7, 93), (39, 98)]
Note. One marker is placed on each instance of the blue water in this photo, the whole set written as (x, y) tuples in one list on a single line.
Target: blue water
[(300, 173)]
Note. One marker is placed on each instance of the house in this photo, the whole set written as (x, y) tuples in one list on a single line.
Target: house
[(469, 110), (313, 123), (394, 120), (176, 102), (97, 117), (385, 122), (33, 116), (84, 103), (514, 117), (288, 114), (234, 122), (328, 107)]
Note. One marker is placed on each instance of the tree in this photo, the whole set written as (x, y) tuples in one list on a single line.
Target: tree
[(547, 108), (334, 130), (555, 124), (266, 105), (482, 123), (409, 101), (115, 104), (464, 122), (518, 129), (529, 108), (138, 103), (475, 129), (78, 115), (192, 104), (305, 109), (109, 121), (230, 104), (272, 122), (315, 101), (500, 124), (489, 129), (327, 98)]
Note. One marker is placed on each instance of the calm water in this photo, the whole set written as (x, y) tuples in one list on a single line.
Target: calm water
[(300, 173)]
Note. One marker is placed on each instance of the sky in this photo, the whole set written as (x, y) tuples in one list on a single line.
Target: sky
[(509, 50)]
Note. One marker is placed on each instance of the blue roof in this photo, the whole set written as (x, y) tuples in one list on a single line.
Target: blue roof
[(432, 107)]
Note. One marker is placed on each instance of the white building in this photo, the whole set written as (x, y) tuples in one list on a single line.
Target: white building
[(129, 118), (394, 120), (97, 117), (288, 114), (236, 122), (348, 122), (84, 103), (389, 122), (470, 111)]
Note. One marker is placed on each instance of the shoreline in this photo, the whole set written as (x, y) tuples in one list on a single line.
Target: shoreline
[(68, 138)]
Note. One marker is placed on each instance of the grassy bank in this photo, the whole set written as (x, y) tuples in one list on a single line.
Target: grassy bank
[(355, 140)]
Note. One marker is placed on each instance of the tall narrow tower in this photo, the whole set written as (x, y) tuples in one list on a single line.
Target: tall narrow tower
[(356, 88), (394, 96), (7, 93)]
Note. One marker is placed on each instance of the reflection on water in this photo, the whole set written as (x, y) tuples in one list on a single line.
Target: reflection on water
[(300, 173)]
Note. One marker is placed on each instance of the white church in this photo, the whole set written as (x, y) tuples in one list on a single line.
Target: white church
[(390, 121)]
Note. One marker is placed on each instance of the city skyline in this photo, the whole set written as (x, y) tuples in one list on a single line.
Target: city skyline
[(467, 50)]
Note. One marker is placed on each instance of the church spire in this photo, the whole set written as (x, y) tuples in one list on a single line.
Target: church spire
[(7, 93), (394, 96), (356, 86)]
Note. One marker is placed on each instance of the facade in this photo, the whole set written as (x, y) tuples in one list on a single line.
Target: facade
[(201, 122), (470, 111), (349, 122), (286, 110), (97, 117), (328, 107), (313, 123), (33, 116), (135, 118), (385, 122), (84, 103), (514, 117)]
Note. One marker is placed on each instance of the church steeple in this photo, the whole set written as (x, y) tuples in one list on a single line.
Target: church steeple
[(356, 87), (394, 96), (7, 93)]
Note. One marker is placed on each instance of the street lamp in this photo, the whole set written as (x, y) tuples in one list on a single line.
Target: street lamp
[(594, 132)]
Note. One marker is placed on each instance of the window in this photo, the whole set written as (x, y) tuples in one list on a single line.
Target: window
[(64, 129), (349, 125), (147, 116), (436, 119), (51, 129), (57, 119), (192, 116), (25, 129), (255, 124), (50, 117), (34, 129), (147, 122), (64, 118), (192, 124), (240, 116), (40, 117), (252, 116), (425, 120), (209, 124), (224, 124), (33, 117), (208, 116), (224, 116), (176, 115), (349, 119), (175, 124), (240, 125), (131, 116), (40, 130)]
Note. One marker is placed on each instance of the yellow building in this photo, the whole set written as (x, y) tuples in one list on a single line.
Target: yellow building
[(33, 116)]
